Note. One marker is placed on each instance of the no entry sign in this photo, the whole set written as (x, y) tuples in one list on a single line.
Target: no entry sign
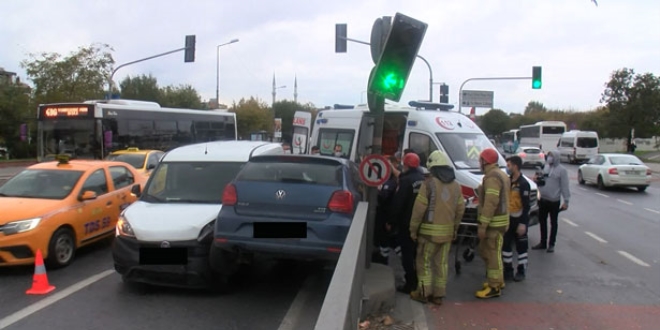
[(375, 170)]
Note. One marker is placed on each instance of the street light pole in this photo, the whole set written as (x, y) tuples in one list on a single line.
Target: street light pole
[(217, 70), (460, 90)]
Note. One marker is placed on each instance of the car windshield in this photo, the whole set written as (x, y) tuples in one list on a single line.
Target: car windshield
[(135, 160), (294, 172), (48, 184), (464, 148), (532, 151), (587, 142), (190, 182), (625, 160)]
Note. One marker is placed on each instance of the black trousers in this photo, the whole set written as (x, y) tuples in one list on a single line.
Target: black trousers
[(522, 245), (408, 254), (548, 208)]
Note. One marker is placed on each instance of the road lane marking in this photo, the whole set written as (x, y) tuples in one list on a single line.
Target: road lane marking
[(43, 303), (595, 237), (633, 258), (651, 210), (293, 315), (569, 222), (624, 202), (599, 194)]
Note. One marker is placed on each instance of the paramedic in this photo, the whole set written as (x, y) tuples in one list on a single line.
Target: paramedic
[(436, 216), (409, 182), (493, 218), (518, 222)]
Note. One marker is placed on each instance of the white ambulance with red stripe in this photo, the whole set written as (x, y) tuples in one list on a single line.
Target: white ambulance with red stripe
[(423, 127)]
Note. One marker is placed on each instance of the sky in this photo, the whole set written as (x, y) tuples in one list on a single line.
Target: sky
[(578, 44)]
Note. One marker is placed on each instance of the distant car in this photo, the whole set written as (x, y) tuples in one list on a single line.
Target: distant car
[(620, 170), (144, 161), (531, 156), (286, 207), (57, 207)]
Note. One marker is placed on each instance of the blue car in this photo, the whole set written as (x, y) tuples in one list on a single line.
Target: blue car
[(286, 207)]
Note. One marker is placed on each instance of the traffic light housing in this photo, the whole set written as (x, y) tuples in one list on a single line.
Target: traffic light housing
[(341, 35), (391, 73), (189, 55), (536, 77), (444, 93)]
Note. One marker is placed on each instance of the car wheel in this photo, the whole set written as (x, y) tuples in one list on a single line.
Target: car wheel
[(61, 248), (580, 178), (601, 184), (642, 188)]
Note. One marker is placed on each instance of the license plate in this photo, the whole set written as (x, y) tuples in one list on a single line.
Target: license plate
[(289, 230), (163, 256)]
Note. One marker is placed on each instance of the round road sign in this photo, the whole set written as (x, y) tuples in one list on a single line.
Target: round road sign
[(375, 170)]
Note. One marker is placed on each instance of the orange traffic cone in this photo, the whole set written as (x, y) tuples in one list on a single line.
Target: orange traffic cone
[(40, 280)]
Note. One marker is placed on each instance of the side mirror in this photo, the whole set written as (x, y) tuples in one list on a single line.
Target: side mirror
[(88, 195), (151, 166), (136, 190)]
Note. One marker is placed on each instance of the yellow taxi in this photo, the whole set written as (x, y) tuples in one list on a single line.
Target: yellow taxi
[(63, 205), (142, 160)]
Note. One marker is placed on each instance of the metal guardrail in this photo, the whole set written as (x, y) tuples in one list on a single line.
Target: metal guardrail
[(343, 301)]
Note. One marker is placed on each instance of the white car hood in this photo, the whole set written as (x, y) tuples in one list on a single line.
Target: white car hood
[(169, 222)]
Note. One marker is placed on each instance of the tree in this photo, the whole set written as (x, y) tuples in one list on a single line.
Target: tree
[(534, 107), (77, 77), (182, 96), (285, 109), (494, 122), (252, 115), (14, 111), (633, 101), (143, 87)]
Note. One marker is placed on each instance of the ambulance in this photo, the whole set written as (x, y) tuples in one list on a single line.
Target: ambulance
[(421, 126)]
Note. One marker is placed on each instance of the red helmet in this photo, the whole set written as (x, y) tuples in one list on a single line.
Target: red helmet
[(490, 156), (411, 160)]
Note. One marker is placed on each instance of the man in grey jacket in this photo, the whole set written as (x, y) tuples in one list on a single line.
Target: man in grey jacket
[(553, 186)]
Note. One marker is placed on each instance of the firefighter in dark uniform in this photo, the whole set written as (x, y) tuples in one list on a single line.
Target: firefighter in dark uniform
[(493, 218), (518, 222), (410, 181), (437, 214), (384, 239)]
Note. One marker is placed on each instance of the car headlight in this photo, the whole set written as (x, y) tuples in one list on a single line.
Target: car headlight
[(124, 228), (20, 226)]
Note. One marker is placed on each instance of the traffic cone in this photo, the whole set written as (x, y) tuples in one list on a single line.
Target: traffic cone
[(40, 280)]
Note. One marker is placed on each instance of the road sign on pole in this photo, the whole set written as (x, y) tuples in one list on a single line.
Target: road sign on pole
[(477, 99), (375, 170)]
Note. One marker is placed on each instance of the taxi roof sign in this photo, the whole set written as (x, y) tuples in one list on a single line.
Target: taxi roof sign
[(132, 149), (62, 159)]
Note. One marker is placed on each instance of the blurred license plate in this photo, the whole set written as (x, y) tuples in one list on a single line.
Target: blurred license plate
[(288, 230), (163, 256)]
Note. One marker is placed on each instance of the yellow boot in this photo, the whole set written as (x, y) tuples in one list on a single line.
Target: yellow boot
[(418, 296), (488, 292)]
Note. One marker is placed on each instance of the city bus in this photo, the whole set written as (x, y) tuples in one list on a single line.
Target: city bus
[(93, 129), (510, 141), (544, 134)]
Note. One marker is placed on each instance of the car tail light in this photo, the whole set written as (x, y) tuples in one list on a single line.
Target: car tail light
[(229, 196), (613, 171), (648, 171), (522, 155), (341, 201), (469, 193), (542, 155)]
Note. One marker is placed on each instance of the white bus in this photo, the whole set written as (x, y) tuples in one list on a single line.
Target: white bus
[(510, 141), (543, 134), (93, 129)]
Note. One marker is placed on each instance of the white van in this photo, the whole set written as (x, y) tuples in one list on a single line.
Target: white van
[(578, 146), (164, 237), (422, 127)]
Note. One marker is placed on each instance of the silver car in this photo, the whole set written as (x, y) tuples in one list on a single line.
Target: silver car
[(531, 156), (620, 170)]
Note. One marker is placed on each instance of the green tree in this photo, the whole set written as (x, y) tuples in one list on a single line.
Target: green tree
[(633, 101), (142, 87), (252, 115), (494, 122), (14, 111), (77, 77), (534, 107), (182, 96)]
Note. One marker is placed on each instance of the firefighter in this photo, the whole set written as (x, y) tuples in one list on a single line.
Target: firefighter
[(493, 218), (436, 216), (409, 182)]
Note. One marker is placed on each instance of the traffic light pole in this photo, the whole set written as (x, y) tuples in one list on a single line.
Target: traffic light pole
[(110, 82), (377, 107), (460, 90)]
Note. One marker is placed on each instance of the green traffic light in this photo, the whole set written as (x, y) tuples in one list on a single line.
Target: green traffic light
[(392, 81), (536, 84)]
